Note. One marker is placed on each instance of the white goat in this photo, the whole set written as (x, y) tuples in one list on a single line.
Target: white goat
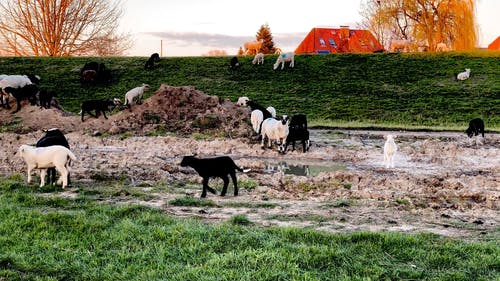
[(390, 149), (285, 57), (258, 59), (464, 75), (275, 130), (135, 93), (42, 158), (256, 119), (242, 101), (271, 110)]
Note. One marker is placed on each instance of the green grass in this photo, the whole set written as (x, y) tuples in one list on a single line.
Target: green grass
[(411, 91), (55, 238)]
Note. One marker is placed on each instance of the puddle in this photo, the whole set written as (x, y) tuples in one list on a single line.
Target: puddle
[(301, 169)]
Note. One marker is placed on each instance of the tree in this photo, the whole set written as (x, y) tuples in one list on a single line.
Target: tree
[(215, 53), (428, 22), (265, 34), (61, 27)]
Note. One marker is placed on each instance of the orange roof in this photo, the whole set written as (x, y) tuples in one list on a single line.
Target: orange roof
[(338, 40), (495, 45)]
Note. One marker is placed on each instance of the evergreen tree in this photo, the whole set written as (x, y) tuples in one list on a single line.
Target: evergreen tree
[(265, 34)]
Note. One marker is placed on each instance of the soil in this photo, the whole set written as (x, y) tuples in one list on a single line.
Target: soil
[(443, 182)]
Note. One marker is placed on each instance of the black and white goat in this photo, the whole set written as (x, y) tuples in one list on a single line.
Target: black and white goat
[(99, 106), (15, 82), (234, 63), (53, 137), (221, 167)]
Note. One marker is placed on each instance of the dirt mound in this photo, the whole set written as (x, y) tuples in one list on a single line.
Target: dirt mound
[(183, 110)]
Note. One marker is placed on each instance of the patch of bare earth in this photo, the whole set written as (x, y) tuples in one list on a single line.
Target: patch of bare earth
[(442, 183)]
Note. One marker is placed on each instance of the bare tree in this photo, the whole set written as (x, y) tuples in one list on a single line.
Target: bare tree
[(61, 27)]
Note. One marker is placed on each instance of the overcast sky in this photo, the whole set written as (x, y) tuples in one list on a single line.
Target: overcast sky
[(194, 27)]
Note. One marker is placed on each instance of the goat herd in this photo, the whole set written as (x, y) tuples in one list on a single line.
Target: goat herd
[(52, 152)]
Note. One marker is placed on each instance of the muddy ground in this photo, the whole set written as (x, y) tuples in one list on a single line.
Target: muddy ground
[(443, 182)]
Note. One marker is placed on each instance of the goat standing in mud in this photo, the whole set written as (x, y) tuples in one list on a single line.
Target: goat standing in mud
[(214, 167)]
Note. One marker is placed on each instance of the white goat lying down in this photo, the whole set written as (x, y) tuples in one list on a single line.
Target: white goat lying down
[(42, 158), (275, 130), (464, 75), (390, 149)]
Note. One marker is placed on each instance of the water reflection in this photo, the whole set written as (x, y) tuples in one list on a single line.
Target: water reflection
[(300, 169)]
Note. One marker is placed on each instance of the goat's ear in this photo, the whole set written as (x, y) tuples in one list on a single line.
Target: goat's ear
[(385, 137), (395, 137)]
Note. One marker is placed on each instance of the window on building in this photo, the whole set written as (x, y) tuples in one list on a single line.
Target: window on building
[(322, 42)]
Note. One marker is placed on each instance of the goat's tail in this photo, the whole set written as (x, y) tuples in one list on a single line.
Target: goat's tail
[(71, 155)]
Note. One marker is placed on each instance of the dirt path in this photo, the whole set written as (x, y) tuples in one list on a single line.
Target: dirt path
[(442, 182)]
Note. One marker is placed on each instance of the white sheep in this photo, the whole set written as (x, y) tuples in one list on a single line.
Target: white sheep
[(285, 57), (390, 149), (271, 110), (256, 118), (464, 75), (135, 93), (275, 130), (258, 59), (42, 158), (242, 101)]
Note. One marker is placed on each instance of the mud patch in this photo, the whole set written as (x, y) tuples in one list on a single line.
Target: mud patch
[(441, 184)]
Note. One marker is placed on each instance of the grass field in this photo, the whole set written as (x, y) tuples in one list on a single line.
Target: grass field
[(409, 91), (56, 238)]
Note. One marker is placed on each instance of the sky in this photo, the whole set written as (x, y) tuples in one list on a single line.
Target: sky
[(194, 27)]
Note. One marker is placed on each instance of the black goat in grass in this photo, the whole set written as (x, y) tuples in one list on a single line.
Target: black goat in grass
[(476, 126), (214, 167), (99, 106), (53, 137), (150, 63)]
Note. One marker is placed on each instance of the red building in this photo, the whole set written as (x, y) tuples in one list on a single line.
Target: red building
[(495, 45), (338, 40)]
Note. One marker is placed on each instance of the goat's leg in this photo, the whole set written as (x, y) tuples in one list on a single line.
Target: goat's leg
[(104, 113), (43, 173), (29, 173), (206, 187), (226, 183), (235, 183), (63, 180)]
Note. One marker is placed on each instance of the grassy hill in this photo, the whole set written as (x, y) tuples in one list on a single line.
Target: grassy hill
[(373, 90)]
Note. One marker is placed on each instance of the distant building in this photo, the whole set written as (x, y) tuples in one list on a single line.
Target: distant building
[(339, 40), (495, 45)]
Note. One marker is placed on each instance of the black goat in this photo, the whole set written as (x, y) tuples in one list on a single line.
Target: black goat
[(45, 98), (214, 167), (234, 63), (150, 63), (99, 106), (298, 134), (27, 92), (476, 126), (95, 72), (297, 131), (53, 137)]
